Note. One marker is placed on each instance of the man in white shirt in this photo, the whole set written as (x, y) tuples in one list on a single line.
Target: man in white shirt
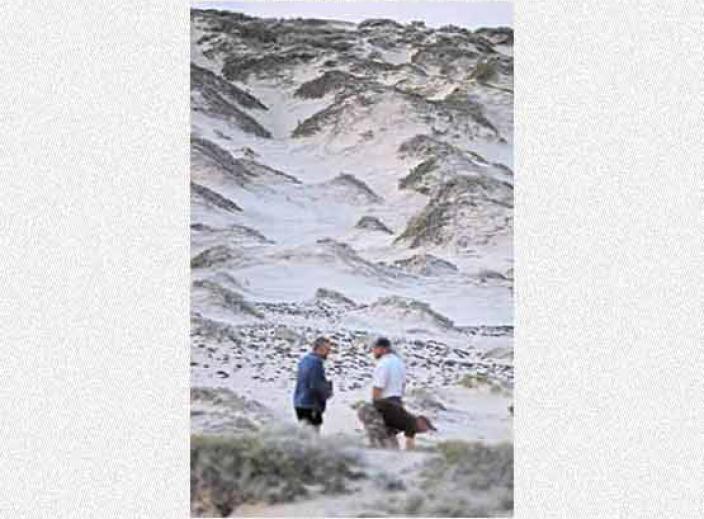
[(389, 378), (389, 381)]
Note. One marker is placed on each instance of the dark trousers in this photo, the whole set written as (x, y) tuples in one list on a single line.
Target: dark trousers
[(310, 416), (396, 418)]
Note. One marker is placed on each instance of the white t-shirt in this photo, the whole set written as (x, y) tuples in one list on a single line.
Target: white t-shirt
[(390, 375)]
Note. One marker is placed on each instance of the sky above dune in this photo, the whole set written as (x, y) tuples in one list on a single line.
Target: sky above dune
[(468, 14)]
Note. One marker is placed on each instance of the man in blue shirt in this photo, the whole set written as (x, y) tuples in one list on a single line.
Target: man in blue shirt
[(312, 388)]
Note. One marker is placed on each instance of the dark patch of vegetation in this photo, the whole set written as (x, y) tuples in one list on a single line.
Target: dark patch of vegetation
[(420, 145), (366, 192), (221, 411), (465, 480), (372, 223), (241, 170), (330, 81), (333, 296), (202, 79), (426, 265), (219, 98), (371, 67), (209, 152), (258, 31), (265, 467), (497, 35), (212, 256), (238, 67), (485, 71), (213, 198), (333, 113), (439, 54), (229, 299), (379, 22), (415, 178), (459, 102), (431, 224)]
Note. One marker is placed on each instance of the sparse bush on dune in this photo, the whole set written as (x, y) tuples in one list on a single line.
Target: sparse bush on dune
[(425, 400), (485, 71), (460, 479), (470, 479), (414, 179), (480, 381), (268, 466), (219, 410), (475, 380), (330, 81), (465, 480)]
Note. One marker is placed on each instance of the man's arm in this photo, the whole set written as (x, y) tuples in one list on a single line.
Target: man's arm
[(319, 384), (379, 381)]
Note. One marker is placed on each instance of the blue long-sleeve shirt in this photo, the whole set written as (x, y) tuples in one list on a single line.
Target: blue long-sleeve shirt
[(312, 388)]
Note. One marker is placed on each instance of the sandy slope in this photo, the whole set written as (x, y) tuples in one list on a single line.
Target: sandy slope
[(276, 211)]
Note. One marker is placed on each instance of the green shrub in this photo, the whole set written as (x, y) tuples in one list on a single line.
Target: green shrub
[(475, 380), (415, 179), (479, 381), (266, 466), (464, 480), (485, 71)]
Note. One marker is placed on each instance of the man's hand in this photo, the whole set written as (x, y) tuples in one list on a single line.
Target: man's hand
[(376, 393)]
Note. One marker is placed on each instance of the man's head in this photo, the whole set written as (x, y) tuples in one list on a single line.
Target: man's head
[(322, 347), (381, 347), (423, 424)]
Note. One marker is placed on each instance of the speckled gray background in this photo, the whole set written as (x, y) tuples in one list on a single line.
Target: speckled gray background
[(94, 270), (609, 231)]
